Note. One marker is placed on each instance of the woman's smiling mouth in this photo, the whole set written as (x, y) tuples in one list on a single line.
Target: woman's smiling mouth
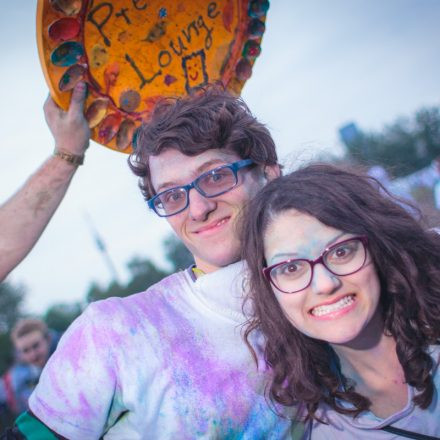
[(335, 308)]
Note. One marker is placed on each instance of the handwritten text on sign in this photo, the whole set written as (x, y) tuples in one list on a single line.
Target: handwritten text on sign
[(142, 43)]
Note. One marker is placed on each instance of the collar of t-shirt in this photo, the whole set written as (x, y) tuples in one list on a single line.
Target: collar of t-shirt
[(223, 291)]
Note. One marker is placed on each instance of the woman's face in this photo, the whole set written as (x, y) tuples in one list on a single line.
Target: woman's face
[(336, 309)]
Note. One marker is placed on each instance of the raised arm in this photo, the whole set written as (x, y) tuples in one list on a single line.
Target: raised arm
[(25, 215)]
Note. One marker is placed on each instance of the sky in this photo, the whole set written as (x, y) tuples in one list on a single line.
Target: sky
[(323, 64)]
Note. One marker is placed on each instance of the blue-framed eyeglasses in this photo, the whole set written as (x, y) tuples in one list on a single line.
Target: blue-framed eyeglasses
[(213, 183)]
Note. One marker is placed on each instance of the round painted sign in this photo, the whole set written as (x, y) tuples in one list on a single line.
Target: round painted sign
[(133, 52)]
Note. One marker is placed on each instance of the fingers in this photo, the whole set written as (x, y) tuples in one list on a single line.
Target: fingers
[(50, 107), (78, 98)]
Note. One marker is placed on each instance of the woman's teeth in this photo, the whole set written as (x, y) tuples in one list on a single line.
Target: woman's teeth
[(330, 308)]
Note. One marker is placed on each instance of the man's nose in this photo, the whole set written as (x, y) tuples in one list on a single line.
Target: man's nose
[(200, 206), (324, 282)]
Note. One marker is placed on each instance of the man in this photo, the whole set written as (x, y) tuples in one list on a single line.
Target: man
[(33, 344), (170, 362), (25, 215)]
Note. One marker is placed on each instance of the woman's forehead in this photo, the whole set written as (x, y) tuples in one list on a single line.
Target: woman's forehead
[(297, 233)]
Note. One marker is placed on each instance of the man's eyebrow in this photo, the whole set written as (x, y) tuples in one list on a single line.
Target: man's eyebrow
[(200, 170), (166, 185), (211, 163)]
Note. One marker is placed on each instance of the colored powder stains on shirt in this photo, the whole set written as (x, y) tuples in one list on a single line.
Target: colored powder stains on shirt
[(155, 365), (201, 375)]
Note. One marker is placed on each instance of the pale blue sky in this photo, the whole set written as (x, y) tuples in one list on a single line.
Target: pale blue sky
[(323, 63)]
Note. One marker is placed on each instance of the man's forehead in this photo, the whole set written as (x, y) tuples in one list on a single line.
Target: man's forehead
[(172, 167), (30, 337)]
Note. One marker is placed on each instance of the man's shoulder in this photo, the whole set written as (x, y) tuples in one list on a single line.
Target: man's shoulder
[(20, 368), (106, 325), (20, 373), (169, 286)]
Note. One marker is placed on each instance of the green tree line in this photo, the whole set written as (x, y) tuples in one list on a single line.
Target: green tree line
[(403, 147)]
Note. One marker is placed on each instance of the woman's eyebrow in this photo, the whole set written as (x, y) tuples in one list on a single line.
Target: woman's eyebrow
[(286, 255), (291, 255), (335, 239)]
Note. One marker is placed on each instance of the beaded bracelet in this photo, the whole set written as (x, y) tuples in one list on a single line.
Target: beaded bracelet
[(69, 157)]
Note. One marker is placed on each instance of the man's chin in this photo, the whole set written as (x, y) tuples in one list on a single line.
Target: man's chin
[(214, 263), (39, 364)]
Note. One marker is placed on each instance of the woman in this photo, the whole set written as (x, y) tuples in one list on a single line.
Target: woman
[(346, 286)]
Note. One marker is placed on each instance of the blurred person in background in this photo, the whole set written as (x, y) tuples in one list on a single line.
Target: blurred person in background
[(26, 214), (33, 344)]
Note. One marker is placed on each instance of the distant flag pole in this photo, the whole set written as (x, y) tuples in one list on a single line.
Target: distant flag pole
[(102, 248)]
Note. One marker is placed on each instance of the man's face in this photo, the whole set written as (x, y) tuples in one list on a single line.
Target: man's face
[(33, 348), (208, 225)]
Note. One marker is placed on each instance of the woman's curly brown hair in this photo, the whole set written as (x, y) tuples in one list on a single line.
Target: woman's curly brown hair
[(407, 260)]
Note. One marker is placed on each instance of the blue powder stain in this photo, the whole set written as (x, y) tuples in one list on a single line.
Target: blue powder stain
[(183, 380), (258, 420), (162, 12)]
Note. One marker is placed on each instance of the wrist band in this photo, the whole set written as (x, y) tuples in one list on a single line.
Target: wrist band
[(68, 157)]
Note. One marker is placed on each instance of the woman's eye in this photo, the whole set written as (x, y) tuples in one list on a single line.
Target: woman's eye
[(293, 268), (342, 252)]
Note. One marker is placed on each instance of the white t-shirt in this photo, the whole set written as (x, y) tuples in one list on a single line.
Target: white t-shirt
[(167, 363), (367, 425)]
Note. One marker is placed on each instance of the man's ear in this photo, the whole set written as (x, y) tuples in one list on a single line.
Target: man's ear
[(271, 172)]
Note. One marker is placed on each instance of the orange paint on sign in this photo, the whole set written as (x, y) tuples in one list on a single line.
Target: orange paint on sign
[(136, 51)]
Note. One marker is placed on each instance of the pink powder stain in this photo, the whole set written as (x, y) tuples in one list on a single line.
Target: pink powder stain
[(64, 410), (86, 410), (199, 373), (85, 340), (73, 351), (202, 377)]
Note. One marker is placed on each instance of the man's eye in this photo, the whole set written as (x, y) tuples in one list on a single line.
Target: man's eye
[(173, 197), (158, 203), (215, 177)]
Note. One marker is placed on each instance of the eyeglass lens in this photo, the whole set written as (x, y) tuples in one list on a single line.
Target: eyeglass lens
[(209, 184), (342, 259)]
